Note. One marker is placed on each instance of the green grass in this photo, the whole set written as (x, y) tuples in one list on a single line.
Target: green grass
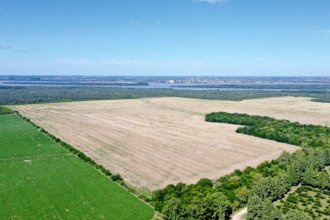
[(41, 180), (20, 139)]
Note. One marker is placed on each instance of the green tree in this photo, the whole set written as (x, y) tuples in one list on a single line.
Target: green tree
[(309, 176), (296, 215), (173, 209)]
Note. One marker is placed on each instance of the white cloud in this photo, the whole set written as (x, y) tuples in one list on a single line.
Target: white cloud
[(211, 1)]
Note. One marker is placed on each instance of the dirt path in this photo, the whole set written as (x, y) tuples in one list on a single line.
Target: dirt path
[(239, 215)]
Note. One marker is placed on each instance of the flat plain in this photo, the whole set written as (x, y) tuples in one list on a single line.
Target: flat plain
[(153, 142), (41, 180)]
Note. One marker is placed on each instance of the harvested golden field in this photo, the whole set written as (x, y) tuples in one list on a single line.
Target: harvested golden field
[(156, 141)]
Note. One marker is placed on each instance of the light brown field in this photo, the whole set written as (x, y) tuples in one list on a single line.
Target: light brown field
[(156, 141)]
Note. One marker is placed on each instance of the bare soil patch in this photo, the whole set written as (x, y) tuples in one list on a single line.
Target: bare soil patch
[(157, 141)]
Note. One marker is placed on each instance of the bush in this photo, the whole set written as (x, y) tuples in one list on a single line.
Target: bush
[(116, 178)]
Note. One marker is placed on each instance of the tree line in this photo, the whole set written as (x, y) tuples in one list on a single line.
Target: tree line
[(218, 199), (277, 130), (45, 94)]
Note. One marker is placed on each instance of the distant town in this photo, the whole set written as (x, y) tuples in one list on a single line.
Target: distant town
[(145, 80)]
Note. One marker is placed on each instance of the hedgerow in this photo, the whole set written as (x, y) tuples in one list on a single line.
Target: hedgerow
[(115, 177)]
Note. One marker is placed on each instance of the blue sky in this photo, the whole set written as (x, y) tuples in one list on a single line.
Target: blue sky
[(165, 37)]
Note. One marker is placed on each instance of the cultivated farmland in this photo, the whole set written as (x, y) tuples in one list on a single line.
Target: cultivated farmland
[(41, 180), (156, 141)]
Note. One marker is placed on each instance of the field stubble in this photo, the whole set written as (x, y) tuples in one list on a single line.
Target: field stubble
[(153, 142)]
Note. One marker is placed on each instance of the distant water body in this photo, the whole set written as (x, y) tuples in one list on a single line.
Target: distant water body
[(151, 85), (175, 86)]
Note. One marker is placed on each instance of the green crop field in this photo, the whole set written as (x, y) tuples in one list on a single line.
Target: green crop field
[(41, 180)]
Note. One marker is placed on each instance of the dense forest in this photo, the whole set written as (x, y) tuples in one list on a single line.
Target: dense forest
[(40, 94), (278, 130), (218, 199)]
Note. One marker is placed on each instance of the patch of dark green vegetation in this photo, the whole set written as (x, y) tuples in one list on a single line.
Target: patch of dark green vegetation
[(278, 130), (218, 199)]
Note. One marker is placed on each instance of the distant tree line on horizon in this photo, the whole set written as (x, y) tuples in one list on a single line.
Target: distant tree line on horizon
[(264, 86), (44, 94)]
